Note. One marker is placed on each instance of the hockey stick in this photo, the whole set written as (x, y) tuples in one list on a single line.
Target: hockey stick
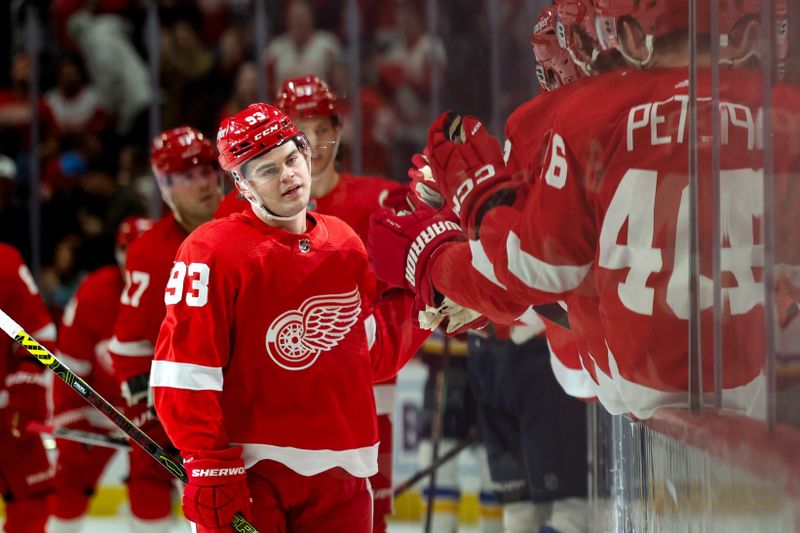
[(436, 429), (410, 482), (15, 331), (76, 435)]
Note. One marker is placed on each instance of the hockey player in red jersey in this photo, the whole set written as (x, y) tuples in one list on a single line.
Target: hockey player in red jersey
[(186, 171), (25, 471), (273, 338), (86, 329), (313, 108), (609, 229)]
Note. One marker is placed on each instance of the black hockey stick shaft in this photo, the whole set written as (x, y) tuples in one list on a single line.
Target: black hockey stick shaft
[(44, 356), (84, 437), (436, 429), (425, 472)]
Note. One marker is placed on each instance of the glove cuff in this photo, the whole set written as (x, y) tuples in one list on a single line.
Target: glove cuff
[(215, 467)]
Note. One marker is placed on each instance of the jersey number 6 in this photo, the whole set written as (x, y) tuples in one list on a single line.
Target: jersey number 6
[(197, 295)]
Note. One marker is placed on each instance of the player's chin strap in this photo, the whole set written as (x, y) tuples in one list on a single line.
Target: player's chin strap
[(586, 66), (257, 205)]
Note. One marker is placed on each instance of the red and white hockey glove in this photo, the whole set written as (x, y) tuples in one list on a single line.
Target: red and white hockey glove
[(401, 249), (27, 396), (468, 169), (423, 184), (217, 487)]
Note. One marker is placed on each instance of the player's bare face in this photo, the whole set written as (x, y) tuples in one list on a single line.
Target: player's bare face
[(324, 138), (281, 179), (196, 194)]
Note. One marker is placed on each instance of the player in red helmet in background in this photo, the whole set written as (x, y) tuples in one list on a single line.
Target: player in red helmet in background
[(86, 330), (185, 167), (25, 471), (554, 65), (313, 108), (263, 376)]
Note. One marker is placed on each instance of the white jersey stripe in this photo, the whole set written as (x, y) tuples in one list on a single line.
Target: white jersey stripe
[(371, 327), (481, 263), (143, 348), (384, 398), (539, 275), (47, 333), (79, 367), (358, 462), (185, 376)]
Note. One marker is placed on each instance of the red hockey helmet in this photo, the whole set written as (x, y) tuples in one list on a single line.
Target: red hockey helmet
[(574, 13), (131, 229), (655, 18), (178, 150), (251, 132), (307, 97), (555, 66), (573, 16)]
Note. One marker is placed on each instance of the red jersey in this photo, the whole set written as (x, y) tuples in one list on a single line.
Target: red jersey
[(354, 199), (258, 318), (609, 229), (86, 330), (19, 298), (141, 310)]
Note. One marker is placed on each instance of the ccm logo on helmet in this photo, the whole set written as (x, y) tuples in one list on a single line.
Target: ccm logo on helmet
[(213, 472), (423, 239), (266, 131)]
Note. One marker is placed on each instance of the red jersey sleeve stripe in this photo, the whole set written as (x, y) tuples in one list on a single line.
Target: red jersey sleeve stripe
[(539, 275), (143, 348), (186, 376)]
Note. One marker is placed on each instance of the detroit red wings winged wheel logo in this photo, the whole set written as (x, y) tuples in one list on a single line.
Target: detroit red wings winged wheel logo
[(297, 337)]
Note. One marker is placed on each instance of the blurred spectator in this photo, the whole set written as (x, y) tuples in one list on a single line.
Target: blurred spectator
[(245, 91), (60, 279), (15, 115), (14, 224), (215, 19), (377, 118), (303, 50), (406, 70), (230, 54), (116, 69), (186, 67), (75, 106)]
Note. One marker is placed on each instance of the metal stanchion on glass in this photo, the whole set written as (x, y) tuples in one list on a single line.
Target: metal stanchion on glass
[(152, 36), (354, 70), (695, 350), (33, 43), (260, 30)]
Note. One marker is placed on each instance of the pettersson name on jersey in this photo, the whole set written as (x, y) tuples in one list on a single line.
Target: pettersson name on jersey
[(666, 122)]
